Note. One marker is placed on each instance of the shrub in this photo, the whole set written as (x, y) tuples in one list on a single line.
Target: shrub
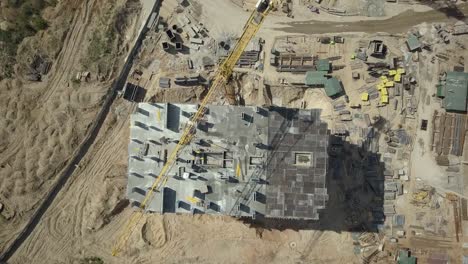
[(27, 21), (38, 23), (92, 260)]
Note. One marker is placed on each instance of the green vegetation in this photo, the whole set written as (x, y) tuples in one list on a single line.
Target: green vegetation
[(39, 23), (92, 260), (100, 46), (101, 50), (53, 2), (25, 20)]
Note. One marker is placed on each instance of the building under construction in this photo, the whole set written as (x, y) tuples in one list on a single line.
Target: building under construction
[(241, 161)]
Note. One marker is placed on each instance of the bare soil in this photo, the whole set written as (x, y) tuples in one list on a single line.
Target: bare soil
[(44, 123)]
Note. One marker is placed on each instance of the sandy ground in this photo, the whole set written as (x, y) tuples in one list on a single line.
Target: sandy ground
[(43, 123), (423, 163), (396, 24), (86, 217), (66, 233)]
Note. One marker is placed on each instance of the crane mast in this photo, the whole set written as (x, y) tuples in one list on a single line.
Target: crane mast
[(221, 77)]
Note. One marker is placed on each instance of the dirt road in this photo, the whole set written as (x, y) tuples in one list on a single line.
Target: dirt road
[(397, 24), (82, 150), (83, 220), (72, 228)]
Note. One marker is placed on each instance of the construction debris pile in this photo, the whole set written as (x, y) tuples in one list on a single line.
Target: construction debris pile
[(422, 196), (369, 246)]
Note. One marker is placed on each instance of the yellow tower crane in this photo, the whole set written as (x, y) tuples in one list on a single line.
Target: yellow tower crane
[(222, 75)]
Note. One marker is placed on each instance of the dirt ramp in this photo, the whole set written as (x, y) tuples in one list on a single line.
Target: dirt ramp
[(153, 232)]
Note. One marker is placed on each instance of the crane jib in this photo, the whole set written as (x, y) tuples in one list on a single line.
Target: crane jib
[(222, 75)]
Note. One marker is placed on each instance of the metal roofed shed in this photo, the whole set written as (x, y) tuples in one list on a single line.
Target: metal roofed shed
[(398, 220), (188, 80), (333, 87), (456, 91), (316, 78), (133, 92), (164, 82), (323, 65), (339, 39), (413, 43)]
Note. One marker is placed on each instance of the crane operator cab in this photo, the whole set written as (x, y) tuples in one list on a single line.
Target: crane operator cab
[(262, 5)]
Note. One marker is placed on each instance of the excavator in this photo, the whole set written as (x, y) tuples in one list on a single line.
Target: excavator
[(221, 77)]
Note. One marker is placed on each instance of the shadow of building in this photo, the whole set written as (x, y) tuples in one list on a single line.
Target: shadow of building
[(447, 7), (355, 187)]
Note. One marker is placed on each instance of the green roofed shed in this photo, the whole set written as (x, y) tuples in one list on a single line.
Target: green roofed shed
[(333, 87), (316, 78), (413, 42), (405, 258), (456, 91), (440, 91), (323, 65)]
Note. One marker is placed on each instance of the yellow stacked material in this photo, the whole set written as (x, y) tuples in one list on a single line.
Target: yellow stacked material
[(389, 84), (419, 196), (238, 170), (192, 199), (384, 91), (353, 56), (365, 97), (384, 99), (397, 78), (401, 71), (158, 115), (383, 78), (380, 86), (392, 72)]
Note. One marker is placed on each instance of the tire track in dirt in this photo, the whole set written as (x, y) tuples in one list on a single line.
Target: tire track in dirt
[(82, 150), (172, 246), (65, 224), (39, 128), (28, 232), (173, 242), (397, 24), (67, 58), (186, 232), (154, 232), (103, 165), (63, 227)]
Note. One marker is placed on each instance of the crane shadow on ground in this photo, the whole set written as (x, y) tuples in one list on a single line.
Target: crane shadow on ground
[(449, 8)]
